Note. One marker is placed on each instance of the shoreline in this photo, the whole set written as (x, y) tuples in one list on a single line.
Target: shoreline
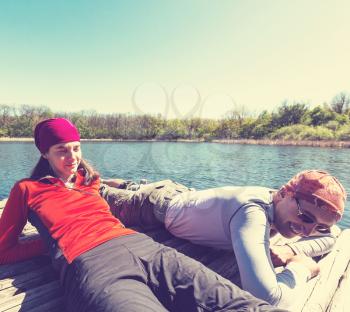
[(315, 143)]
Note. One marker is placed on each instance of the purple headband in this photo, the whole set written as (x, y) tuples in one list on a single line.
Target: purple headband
[(53, 131)]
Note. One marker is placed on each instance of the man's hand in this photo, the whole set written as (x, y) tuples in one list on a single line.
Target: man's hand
[(308, 262), (280, 255)]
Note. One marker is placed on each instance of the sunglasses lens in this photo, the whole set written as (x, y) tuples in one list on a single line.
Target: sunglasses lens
[(305, 218), (322, 229), (308, 219)]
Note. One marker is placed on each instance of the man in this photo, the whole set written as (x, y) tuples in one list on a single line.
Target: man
[(243, 219)]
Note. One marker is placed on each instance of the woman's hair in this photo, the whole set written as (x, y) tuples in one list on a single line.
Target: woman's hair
[(43, 168)]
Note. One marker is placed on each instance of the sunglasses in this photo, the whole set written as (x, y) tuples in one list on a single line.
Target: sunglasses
[(306, 218)]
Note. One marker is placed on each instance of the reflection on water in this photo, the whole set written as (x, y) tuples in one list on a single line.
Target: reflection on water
[(199, 165)]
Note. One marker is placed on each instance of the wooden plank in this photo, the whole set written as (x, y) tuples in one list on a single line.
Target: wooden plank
[(226, 266), (23, 288), (54, 305), (333, 268), (320, 290), (33, 297), (341, 299), (28, 280), (3, 203), (220, 262), (9, 270)]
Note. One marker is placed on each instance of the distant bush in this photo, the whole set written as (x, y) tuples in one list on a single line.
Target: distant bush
[(319, 115), (303, 132), (320, 133), (3, 132), (332, 125), (294, 121), (343, 133)]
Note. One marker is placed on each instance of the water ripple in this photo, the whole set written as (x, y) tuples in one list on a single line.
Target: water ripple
[(199, 165)]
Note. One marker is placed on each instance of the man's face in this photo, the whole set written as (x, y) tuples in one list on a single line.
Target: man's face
[(295, 216)]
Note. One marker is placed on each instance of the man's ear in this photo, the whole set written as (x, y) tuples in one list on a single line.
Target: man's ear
[(282, 192)]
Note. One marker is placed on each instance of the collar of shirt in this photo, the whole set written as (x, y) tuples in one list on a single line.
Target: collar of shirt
[(77, 180)]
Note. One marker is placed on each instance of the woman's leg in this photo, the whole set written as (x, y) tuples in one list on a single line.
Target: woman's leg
[(183, 284), (108, 278)]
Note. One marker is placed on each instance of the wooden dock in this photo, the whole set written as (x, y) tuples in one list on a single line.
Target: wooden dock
[(32, 286)]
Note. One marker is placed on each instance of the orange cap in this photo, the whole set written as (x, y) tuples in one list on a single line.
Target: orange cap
[(317, 184)]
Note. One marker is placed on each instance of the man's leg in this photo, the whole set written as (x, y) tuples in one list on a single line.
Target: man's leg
[(132, 208), (145, 207)]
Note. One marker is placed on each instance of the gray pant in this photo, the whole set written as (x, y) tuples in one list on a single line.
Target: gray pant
[(134, 273), (145, 207)]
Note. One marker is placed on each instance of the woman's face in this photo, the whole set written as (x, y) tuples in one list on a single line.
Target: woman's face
[(64, 158), (299, 217)]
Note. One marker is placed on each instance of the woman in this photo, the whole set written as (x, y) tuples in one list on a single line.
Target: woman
[(244, 219), (103, 266)]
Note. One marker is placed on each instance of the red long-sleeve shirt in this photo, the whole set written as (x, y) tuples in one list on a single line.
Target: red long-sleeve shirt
[(78, 219)]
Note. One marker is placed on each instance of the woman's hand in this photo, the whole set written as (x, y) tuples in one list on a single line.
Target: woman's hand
[(117, 183), (280, 255)]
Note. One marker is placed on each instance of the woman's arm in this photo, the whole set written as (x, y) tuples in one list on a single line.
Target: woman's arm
[(250, 233), (12, 222), (117, 183)]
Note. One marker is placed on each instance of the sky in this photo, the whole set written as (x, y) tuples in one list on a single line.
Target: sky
[(193, 58)]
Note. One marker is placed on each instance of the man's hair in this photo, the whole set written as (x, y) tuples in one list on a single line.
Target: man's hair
[(317, 186)]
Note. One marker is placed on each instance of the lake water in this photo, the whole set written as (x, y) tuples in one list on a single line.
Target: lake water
[(199, 165)]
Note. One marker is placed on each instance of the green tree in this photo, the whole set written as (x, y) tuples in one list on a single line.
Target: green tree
[(6, 116), (174, 129), (320, 115), (340, 103), (262, 126), (289, 114), (228, 129)]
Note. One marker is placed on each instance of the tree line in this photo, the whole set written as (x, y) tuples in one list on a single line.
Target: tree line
[(290, 121)]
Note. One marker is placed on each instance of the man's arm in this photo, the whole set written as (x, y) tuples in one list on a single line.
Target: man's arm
[(250, 233), (312, 246)]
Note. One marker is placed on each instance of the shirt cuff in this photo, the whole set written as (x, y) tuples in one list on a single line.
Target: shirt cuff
[(300, 271)]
